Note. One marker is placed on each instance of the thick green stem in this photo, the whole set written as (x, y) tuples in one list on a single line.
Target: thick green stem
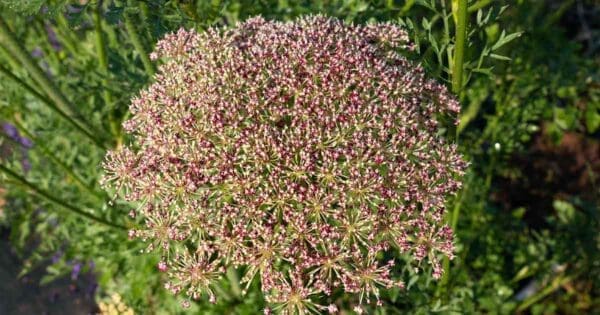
[(48, 196), (459, 47), (457, 78), (62, 105)]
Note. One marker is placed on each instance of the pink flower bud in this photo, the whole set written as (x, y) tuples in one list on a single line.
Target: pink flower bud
[(162, 266)]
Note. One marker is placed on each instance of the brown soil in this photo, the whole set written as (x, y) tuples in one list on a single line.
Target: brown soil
[(24, 295), (550, 171)]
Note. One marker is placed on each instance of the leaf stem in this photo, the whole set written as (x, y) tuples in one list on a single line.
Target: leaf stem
[(56, 200)]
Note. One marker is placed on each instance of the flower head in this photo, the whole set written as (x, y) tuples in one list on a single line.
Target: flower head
[(298, 150)]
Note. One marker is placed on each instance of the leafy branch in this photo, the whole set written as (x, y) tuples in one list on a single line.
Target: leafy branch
[(61, 104)]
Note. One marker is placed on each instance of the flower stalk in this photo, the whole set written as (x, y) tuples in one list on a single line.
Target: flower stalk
[(460, 46)]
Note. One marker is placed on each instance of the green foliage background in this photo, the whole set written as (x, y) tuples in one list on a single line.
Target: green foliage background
[(531, 72)]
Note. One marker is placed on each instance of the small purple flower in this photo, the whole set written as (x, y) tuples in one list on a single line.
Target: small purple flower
[(56, 256), (25, 164), (75, 271), (26, 143), (91, 289), (11, 131), (37, 52), (52, 38)]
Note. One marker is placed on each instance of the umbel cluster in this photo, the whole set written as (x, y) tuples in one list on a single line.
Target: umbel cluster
[(303, 153)]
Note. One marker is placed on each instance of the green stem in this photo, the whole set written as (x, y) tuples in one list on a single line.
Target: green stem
[(103, 61), (145, 14), (456, 212), (101, 51), (68, 170), (453, 222), (452, 219), (137, 44), (445, 17), (31, 90), (5, 55), (48, 103), (459, 47), (457, 76), (479, 5), (49, 53), (555, 17), (234, 281), (62, 105), (56, 200), (64, 33), (554, 285)]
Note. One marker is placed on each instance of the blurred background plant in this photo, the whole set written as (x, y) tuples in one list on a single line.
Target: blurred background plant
[(528, 77)]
